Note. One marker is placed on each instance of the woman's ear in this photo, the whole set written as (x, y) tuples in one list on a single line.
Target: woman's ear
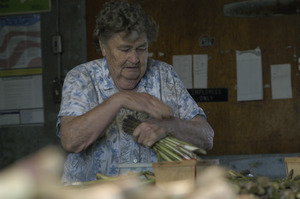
[(102, 47)]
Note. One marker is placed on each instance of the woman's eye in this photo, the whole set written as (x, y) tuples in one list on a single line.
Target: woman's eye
[(142, 49), (124, 49)]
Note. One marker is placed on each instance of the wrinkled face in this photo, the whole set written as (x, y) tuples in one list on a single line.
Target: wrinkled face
[(126, 56)]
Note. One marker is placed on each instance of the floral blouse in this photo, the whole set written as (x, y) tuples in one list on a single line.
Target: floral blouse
[(88, 85)]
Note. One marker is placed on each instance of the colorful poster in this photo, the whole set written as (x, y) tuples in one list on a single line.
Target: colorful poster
[(20, 42), (21, 94)]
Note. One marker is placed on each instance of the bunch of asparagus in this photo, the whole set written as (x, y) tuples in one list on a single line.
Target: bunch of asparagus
[(169, 148)]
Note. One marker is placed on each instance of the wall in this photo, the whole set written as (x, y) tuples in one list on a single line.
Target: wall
[(255, 135), (66, 18), (251, 127)]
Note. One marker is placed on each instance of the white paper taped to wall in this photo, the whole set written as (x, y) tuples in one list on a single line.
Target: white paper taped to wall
[(249, 75), (183, 66), (200, 62), (281, 81)]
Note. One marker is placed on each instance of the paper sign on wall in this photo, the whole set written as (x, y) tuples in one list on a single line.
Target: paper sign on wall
[(192, 67), (200, 63), (249, 75), (281, 81), (183, 66)]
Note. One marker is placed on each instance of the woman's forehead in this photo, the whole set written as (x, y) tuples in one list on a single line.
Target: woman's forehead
[(129, 37)]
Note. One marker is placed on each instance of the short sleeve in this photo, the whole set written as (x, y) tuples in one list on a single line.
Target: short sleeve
[(187, 106), (78, 95)]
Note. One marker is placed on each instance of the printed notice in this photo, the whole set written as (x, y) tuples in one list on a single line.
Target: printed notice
[(183, 66), (249, 75), (281, 81), (22, 102), (9, 117), (200, 70), (21, 92)]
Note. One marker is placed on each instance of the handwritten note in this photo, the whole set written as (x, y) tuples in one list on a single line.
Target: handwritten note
[(249, 75), (281, 81), (183, 66), (200, 70)]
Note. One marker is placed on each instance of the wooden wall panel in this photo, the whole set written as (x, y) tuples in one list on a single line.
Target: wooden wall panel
[(265, 126)]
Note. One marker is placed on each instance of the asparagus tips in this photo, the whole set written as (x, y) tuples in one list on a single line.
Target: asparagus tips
[(187, 146), (130, 123), (169, 148)]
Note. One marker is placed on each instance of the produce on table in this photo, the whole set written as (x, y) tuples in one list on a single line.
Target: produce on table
[(146, 177), (240, 185), (263, 187), (168, 148)]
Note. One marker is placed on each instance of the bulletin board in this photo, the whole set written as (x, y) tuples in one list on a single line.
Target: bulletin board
[(200, 27), (21, 70)]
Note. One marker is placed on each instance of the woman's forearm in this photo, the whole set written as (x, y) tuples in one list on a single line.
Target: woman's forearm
[(196, 131), (78, 132)]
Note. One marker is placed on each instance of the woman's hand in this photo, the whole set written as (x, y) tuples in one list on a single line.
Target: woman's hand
[(144, 102), (149, 132)]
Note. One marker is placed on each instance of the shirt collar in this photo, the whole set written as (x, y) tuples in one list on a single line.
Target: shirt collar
[(144, 83), (107, 79)]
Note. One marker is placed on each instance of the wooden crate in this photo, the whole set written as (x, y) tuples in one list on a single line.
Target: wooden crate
[(180, 170), (292, 163)]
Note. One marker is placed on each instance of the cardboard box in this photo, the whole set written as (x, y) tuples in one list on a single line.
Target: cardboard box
[(180, 170), (292, 163)]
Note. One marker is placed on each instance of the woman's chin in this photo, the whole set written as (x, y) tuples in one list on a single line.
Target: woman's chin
[(128, 84)]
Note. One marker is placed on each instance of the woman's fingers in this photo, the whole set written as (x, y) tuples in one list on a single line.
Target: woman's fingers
[(145, 102), (149, 133)]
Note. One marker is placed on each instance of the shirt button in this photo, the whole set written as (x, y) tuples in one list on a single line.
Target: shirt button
[(134, 160)]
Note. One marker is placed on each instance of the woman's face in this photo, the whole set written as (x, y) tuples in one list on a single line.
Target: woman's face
[(127, 57)]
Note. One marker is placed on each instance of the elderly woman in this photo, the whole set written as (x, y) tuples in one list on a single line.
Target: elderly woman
[(99, 94)]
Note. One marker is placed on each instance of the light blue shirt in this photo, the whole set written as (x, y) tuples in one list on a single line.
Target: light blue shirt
[(88, 85)]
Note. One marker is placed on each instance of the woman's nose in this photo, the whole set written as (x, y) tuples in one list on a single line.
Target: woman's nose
[(134, 56)]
